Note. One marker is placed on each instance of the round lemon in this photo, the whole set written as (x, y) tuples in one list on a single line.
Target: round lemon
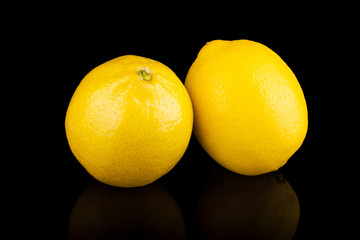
[(129, 121), (250, 113)]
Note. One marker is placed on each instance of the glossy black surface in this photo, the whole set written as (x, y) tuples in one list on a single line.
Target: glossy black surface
[(222, 205)]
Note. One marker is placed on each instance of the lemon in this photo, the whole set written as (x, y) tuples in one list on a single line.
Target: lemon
[(250, 113), (129, 121)]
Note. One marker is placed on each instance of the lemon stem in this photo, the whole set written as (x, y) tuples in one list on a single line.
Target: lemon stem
[(144, 74)]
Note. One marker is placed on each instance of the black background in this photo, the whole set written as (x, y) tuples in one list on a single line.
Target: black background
[(305, 36)]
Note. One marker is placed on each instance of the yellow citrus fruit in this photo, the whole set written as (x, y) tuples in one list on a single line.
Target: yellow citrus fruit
[(129, 121), (250, 113)]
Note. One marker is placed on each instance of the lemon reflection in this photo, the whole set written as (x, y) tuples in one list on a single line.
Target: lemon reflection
[(106, 212), (232, 206)]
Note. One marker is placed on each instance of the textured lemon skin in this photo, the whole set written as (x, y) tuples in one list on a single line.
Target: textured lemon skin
[(126, 131), (250, 113)]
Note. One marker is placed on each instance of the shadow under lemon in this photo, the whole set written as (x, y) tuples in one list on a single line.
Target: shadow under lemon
[(106, 212), (233, 206)]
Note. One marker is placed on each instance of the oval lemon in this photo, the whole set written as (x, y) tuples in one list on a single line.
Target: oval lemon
[(129, 121), (250, 113)]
